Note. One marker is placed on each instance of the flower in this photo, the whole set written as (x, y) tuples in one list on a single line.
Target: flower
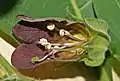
[(43, 39)]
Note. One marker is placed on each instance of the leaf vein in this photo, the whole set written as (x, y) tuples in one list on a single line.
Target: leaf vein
[(117, 3)]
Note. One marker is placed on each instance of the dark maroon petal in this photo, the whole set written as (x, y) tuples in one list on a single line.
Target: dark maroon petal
[(33, 29), (31, 32), (21, 57)]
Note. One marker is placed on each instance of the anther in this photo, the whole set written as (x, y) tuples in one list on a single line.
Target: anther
[(43, 41), (63, 32), (51, 27), (48, 46)]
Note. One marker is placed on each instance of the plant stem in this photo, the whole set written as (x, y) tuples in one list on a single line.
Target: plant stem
[(9, 39), (106, 71), (76, 10)]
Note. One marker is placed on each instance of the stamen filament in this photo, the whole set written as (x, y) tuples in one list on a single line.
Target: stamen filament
[(45, 57)]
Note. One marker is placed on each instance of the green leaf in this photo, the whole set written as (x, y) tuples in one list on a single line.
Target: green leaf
[(87, 9), (95, 50), (109, 10), (98, 25), (37, 9)]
